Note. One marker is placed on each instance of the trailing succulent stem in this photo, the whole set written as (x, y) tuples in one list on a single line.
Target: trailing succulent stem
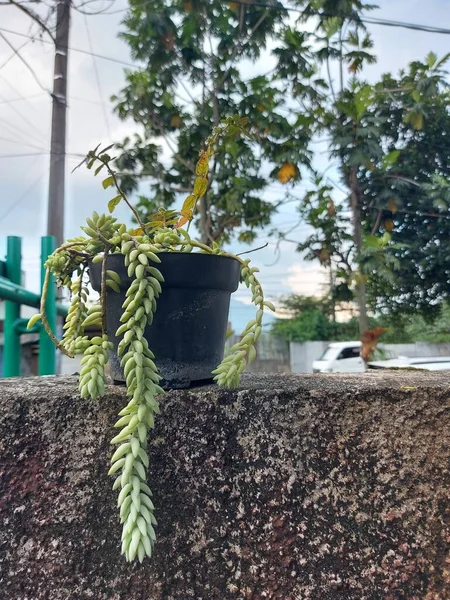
[(92, 374), (141, 374), (73, 327), (229, 371), (140, 249)]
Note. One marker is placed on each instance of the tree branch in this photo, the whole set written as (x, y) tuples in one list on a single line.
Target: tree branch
[(330, 81), (377, 222), (34, 16), (253, 250), (237, 48), (341, 63), (406, 179)]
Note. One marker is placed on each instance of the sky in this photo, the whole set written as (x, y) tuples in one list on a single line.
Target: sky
[(25, 113)]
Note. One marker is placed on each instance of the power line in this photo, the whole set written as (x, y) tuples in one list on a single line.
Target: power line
[(14, 54), (21, 58), (25, 155), (23, 98), (306, 13), (88, 100), (17, 132), (97, 77), (80, 50), (22, 134), (369, 20), (404, 25), (43, 153), (13, 108), (20, 143), (91, 13)]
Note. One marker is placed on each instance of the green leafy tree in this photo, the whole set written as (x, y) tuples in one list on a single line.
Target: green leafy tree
[(194, 54), (340, 40), (382, 138), (410, 199), (436, 331), (307, 318), (310, 319)]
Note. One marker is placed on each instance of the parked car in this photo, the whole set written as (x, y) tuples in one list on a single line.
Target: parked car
[(344, 357), (340, 357)]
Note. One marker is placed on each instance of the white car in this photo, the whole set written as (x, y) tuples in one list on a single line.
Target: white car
[(344, 357), (340, 357)]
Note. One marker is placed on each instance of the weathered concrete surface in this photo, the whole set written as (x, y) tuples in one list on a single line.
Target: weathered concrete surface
[(293, 487)]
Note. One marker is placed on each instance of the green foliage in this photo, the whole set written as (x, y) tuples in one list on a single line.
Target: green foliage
[(382, 233), (411, 199), (190, 81), (92, 375), (73, 327), (311, 319), (436, 331), (330, 226), (311, 325), (141, 374), (244, 352)]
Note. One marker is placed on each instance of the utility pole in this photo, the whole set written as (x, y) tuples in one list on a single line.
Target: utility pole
[(55, 219)]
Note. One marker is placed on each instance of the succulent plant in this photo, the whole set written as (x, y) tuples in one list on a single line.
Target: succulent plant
[(140, 248)]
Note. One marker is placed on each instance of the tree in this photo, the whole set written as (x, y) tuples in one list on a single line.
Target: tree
[(341, 37), (194, 56), (379, 135), (411, 199), (306, 318), (310, 319)]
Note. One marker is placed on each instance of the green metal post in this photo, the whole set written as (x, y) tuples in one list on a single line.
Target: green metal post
[(47, 351), (16, 293), (12, 348)]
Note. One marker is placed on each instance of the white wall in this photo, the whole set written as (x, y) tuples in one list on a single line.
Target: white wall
[(69, 366), (303, 355)]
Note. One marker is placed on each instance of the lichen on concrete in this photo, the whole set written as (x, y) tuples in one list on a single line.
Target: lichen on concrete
[(289, 488)]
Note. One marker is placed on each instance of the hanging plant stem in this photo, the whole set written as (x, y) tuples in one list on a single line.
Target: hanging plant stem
[(44, 319), (103, 288)]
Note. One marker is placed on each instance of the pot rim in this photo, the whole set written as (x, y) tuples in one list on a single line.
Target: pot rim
[(180, 271), (176, 252)]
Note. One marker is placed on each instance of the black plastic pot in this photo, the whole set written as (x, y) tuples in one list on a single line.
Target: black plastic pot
[(188, 331)]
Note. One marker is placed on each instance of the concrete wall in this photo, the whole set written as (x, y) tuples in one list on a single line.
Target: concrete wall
[(69, 366), (327, 487), (418, 349), (303, 355)]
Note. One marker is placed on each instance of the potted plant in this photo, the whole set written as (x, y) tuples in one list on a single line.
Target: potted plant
[(179, 339)]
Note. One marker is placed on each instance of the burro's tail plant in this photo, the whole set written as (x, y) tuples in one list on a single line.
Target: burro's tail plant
[(140, 248)]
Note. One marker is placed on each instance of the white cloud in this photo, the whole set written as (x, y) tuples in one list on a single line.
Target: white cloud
[(307, 280)]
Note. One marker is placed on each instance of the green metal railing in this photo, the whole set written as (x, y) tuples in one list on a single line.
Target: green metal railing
[(15, 295)]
